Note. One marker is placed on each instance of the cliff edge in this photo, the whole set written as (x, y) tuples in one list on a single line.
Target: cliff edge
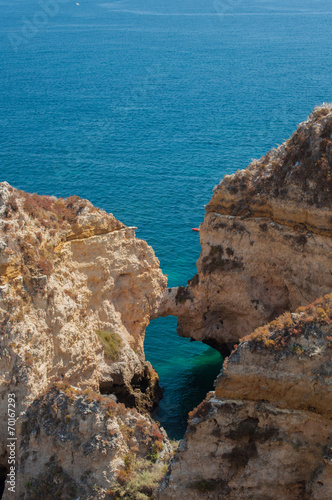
[(77, 290), (266, 241), (265, 432)]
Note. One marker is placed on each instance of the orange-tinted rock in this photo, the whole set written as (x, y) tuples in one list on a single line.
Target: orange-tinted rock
[(266, 241), (266, 431)]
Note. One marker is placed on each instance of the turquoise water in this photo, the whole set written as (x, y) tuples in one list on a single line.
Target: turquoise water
[(142, 106)]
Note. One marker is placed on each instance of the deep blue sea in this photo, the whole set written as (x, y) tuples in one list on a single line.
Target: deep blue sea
[(142, 106)]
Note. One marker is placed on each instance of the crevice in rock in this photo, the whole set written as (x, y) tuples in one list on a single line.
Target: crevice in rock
[(143, 392), (224, 349)]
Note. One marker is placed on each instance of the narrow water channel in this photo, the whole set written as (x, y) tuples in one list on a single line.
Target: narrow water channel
[(186, 369)]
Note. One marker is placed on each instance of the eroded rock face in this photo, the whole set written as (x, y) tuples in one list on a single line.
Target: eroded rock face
[(266, 241), (266, 431), (76, 444), (77, 290)]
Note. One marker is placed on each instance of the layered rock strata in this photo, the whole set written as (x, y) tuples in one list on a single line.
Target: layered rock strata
[(78, 444), (266, 241), (77, 290), (265, 432)]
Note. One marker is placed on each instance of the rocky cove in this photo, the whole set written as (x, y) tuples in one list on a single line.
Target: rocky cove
[(78, 290)]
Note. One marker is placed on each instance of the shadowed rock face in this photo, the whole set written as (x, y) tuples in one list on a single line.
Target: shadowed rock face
[(265, 432), (266, 241), (78, 444), (77, 290)]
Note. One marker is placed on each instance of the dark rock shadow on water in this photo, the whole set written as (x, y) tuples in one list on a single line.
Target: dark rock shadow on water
[(187, 371)]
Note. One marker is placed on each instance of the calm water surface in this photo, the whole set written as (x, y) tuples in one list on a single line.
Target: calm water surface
[(142, 106)]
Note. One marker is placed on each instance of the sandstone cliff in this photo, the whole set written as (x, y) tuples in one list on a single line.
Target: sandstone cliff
[(266, 241), (78, 444), (265, 433), (77, 290)]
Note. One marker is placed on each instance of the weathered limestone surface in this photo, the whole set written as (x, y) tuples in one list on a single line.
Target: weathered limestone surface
[(266, 431), (77, 290), (72, 275), (76, 444), (266, 241)]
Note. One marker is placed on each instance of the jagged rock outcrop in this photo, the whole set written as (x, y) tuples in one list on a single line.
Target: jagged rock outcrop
[(266, 431), (78, 444), (266, 241), (77, 290)]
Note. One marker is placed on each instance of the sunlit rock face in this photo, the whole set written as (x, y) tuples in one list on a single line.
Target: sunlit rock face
[(77, 291), (265, 241), (266, 430)]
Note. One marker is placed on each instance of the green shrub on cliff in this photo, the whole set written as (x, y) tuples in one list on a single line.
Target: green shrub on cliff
[(111, 342), (138, 481)]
